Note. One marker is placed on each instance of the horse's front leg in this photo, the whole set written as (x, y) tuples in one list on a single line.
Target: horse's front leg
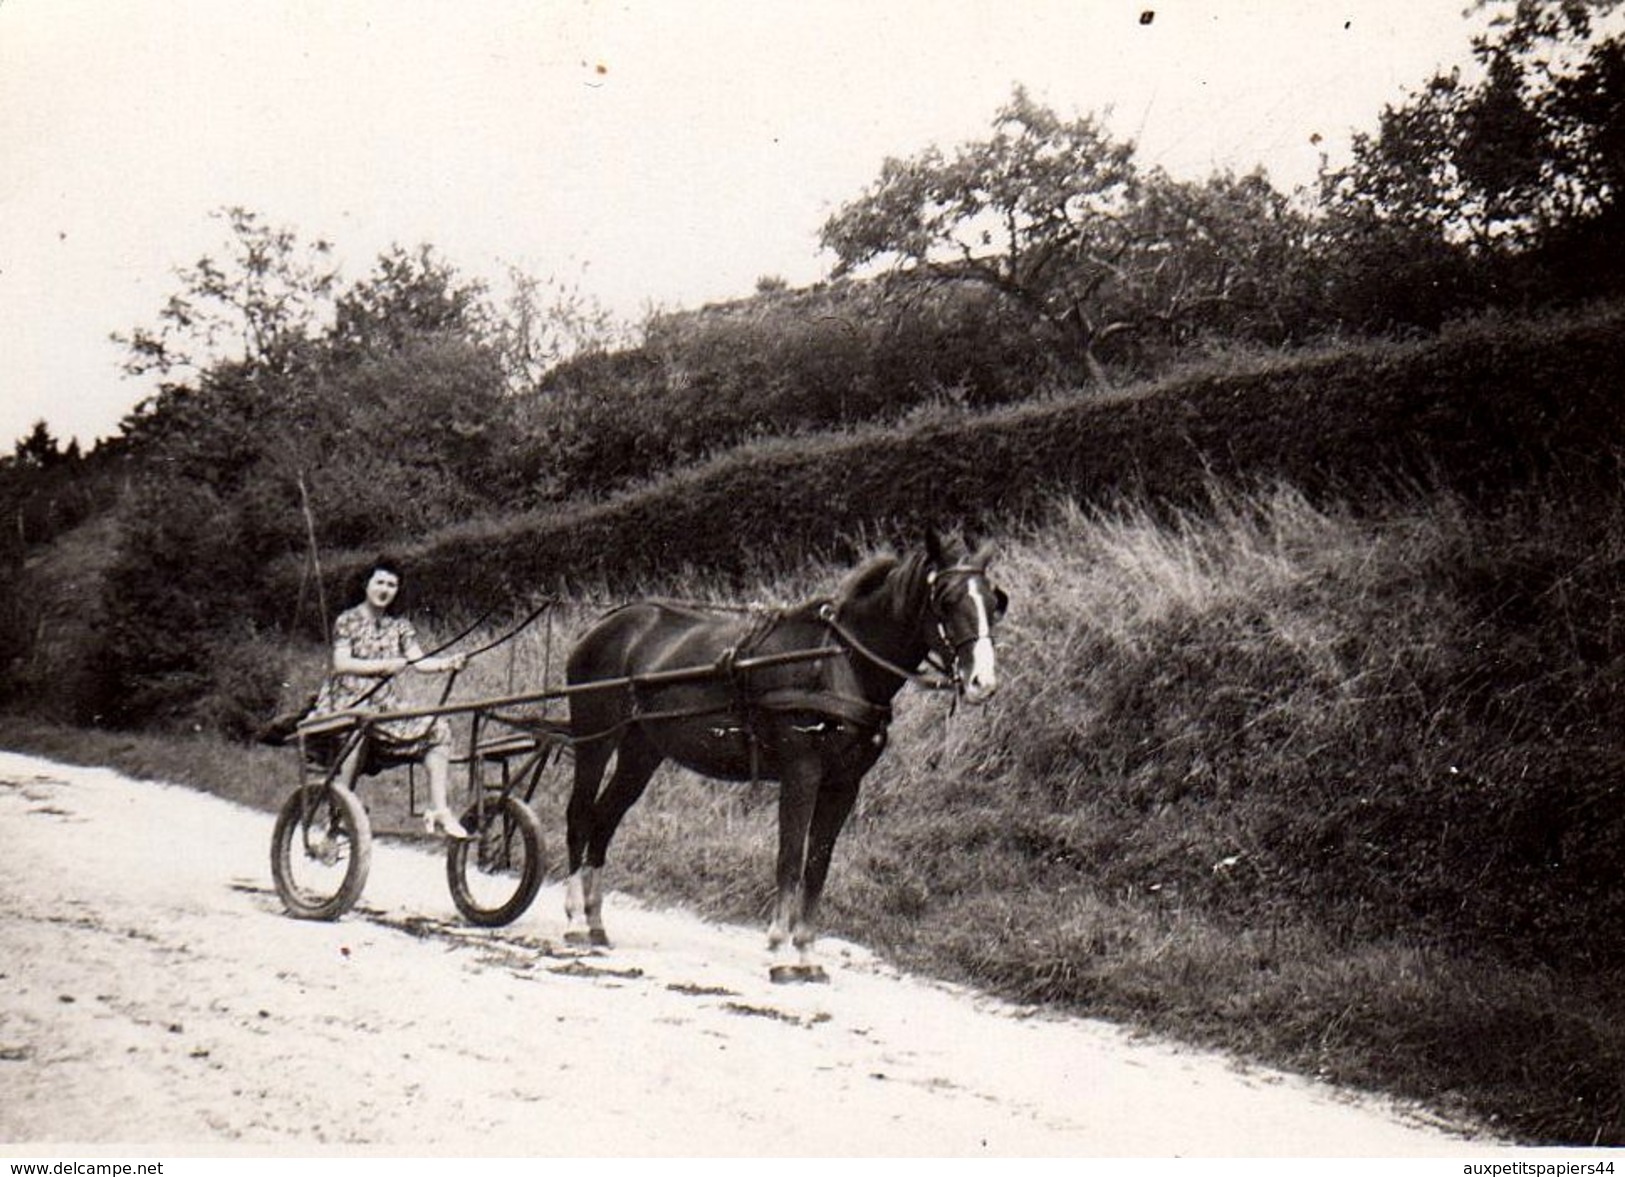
[(798, 793), (833, 807)]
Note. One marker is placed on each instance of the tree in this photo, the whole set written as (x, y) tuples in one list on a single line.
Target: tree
[(1228, 255), (548, 322), (408, 295), (257, 318), (261, 306), (1055, 216), (1035, 212), (1495, 184), (1526, 149), (382, 405), (40, 450), (323, 385), (402, 441)]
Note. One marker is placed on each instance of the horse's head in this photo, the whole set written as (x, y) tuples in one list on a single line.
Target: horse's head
[(965, 605)]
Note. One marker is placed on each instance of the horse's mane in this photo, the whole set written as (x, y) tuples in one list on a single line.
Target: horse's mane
[(866, 578), (878, 572)]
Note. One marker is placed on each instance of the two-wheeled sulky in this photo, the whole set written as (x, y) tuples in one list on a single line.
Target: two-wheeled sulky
[(321, 845)]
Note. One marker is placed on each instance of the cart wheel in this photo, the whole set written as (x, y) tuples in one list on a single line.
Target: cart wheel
[(495, 874), (321, 850)]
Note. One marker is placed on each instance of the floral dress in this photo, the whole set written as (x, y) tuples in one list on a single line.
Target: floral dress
[(372, 635)]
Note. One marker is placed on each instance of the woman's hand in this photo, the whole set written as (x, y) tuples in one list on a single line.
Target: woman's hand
[(449, 664)]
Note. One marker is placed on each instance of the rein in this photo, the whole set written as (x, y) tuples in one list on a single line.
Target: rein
[(547, 603), (944, 678), (936, 682), (443, 646), (451, 679)]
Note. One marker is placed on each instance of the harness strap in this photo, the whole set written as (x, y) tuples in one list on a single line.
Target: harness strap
[(451, 681), (638, 716), (928, 682), (834, 704), (747, 703), (547, 603)]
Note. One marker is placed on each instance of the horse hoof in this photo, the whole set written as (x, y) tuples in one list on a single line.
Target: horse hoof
[(798, 974), (598, 938)]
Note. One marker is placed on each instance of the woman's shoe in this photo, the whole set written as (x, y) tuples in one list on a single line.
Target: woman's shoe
[(440, 821)]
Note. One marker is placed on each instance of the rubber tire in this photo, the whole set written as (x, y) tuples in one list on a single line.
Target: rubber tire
[(460, 858), (344, 807)]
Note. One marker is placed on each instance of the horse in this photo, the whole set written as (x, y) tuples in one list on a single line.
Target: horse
[(801, 696)]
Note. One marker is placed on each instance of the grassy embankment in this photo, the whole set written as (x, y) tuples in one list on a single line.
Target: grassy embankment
[(1482, 410), (1333, 783)]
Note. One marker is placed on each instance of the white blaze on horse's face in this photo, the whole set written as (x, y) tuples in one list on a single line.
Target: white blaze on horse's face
[(982, 676)]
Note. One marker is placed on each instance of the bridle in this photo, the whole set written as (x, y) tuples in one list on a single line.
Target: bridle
[(943, 657), (952, 644)]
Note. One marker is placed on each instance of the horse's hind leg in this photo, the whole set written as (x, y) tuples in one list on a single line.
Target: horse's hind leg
[(635, 762), (591, 758)]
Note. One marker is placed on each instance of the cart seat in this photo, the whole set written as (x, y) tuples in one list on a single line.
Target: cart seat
[(500, 748)]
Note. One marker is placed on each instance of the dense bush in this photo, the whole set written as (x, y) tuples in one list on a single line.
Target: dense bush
[(393, 419), (782, 364), (179, 602), (1482, 410), (403, 441)]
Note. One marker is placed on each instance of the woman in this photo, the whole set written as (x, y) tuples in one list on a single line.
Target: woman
[(371, 646)]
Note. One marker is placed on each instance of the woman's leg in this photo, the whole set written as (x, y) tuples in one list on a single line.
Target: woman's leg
[(437, 760)]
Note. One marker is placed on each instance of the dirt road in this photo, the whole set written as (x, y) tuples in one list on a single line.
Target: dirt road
[(154, 994)]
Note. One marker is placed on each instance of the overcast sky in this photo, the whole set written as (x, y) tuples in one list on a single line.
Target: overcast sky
[(659, 154)]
